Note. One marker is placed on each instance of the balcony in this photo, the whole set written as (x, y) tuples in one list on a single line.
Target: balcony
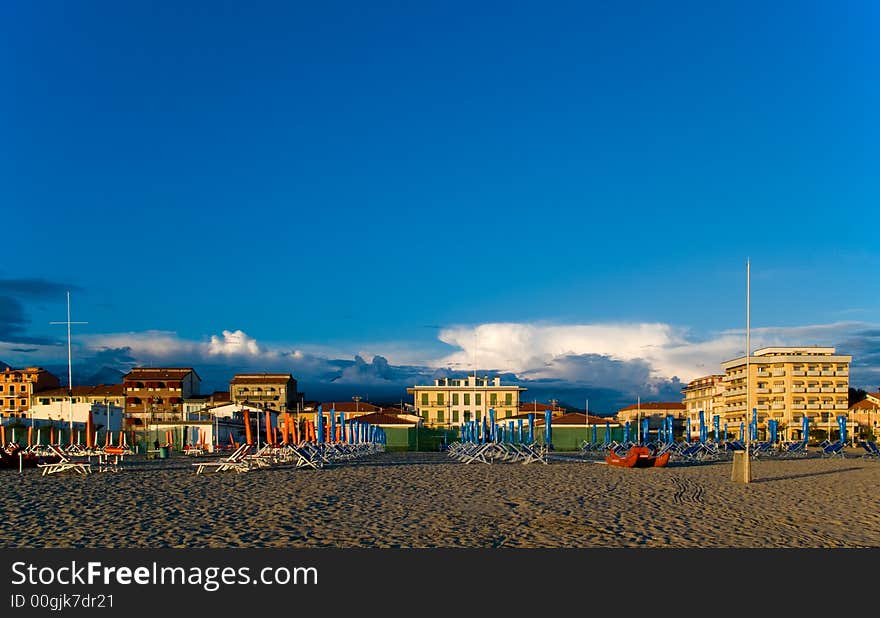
[(778, 372), (826, 389), (797, 406), (762, 406), (841, 406), (798, 389), (842, 373), (778, 406), (812, 406), (812, 373), (797, 372), (827, 372), (762, 390), (812, 389), (778, 389)]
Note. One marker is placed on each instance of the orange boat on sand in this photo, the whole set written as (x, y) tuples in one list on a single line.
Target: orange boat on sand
[(637, 457)]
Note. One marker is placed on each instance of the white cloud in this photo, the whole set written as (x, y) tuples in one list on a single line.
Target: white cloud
[(233, 343), (537, 349)]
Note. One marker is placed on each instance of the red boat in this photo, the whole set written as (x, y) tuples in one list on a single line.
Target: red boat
[(637, 457)]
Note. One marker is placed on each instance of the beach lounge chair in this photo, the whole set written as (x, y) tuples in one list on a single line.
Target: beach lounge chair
[(835, 449), (871, 450), (65, 463), (236, 462)]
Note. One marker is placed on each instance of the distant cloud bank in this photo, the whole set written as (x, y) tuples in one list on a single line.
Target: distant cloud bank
[(608, 365)]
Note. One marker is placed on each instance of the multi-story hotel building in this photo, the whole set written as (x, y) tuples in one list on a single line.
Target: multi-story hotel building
[(157, 394), (706, 394), (786, 383), (452, 401), (17, 387), (865, 414), (269, 391)]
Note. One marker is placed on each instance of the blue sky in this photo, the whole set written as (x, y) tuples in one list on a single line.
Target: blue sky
[(418, 171)]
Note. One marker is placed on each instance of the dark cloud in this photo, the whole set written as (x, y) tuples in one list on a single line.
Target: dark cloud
[(13, 323), (36, 289), (23, 350)]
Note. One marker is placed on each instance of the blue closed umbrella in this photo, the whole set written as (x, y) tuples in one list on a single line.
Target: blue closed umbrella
[(520, 430), (594, 434), (742, 431), (702, 427), (607, 432), (320, 426), (725, 431), (841, 423), (670, 426), (687, 435), (531, 427), (548, 415), (716, 425), (805, 427), (645, 427), (771, 427), (626, 432), (333, 424)]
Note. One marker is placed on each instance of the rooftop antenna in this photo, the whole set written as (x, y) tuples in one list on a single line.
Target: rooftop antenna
[(69, 364)]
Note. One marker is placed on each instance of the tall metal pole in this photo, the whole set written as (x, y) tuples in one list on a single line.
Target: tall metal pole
[(747, 477), (639, 417)]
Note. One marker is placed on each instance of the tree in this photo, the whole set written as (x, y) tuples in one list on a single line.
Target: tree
[(856, 395)]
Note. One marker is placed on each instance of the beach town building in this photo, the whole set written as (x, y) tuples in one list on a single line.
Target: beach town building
[(60, 413), (704, 394), (272, 391), (18, 386), (202, 403), (352, 409), (655, 412), (154, 394), (107, 394), (865, 414), (538, 408), (451, 401), (786, 383)]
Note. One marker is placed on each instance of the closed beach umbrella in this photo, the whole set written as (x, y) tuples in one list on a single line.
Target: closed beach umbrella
[(520, 430), (247, 427), (333, 424), (687, 435), (319, 425), (626, 432), (510, 432), (702, 427), (670, 433), (492, 424), (531, 427), (771, 426), (594, 434), (805, 427), (607, 439), (742, 431), (841, 423), (645, 426), (548, 415), (716, 425)]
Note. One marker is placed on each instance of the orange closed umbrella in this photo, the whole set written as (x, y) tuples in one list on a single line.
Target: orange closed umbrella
[(268, 426), (90, 427), (30, 436), (247, 428), (285, 429)]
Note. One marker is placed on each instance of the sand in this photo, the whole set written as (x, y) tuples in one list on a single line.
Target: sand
[(425, 500)]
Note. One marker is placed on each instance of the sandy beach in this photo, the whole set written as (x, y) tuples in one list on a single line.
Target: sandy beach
[(425, 500)]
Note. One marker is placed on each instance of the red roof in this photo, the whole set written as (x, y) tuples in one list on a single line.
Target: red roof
[(655, 405), (538, 407), (261, 378), (865, 404), (158, 373)]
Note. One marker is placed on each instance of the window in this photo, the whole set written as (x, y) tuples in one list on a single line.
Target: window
[(467, 416), (508, 414), (22, 388), (478, 399), (493, 399), (467, 399), (425, 415), (1, 388), (508, 399), (439, 416), (439, 399), (424, 399), (455, 416), (455, 399)]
